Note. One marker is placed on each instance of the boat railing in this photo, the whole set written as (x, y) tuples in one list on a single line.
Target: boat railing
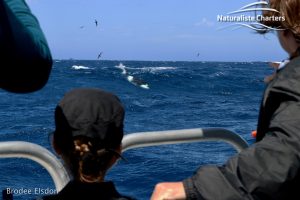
[(154, 138), (39, 154)]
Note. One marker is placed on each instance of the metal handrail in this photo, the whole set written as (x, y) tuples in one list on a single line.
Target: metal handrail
[(39, 154), (145, 139)]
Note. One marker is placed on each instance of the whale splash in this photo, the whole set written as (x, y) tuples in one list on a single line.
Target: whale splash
[(135, 81)]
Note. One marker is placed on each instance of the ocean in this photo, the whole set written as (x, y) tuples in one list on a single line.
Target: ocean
[(174, 95)]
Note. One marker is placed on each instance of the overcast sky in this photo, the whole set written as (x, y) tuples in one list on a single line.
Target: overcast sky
[(175, 30)]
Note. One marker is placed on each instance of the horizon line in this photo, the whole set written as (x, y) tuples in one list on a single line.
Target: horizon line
[(129, 60)]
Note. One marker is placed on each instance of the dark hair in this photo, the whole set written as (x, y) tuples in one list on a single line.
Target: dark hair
[(92, 160), (288, 10), (88, 161)]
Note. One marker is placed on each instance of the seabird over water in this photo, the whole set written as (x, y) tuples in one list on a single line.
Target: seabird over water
[(99, 55)]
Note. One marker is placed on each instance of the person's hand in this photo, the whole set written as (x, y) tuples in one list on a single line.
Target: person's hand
[(169, 191)]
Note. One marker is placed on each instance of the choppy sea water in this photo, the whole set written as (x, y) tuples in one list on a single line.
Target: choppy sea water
[(179, 95)]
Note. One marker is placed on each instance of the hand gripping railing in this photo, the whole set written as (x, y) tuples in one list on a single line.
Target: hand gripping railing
[(135, 140)]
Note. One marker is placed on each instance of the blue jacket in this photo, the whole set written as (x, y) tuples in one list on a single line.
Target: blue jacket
[(25, 58)]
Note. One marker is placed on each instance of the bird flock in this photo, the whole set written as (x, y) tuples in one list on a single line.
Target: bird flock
[(96, 24)]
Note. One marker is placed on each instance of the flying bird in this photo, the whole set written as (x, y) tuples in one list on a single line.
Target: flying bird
[(96, 22), (99, 55)]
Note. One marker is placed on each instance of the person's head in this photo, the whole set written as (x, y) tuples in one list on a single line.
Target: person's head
[(288, 19), (89, 131)]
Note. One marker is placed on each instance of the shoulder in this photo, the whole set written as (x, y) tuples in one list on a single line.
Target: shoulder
[(291, 69), (287, 80)]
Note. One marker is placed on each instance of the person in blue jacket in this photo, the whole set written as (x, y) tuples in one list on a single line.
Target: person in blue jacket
[(269, 169), (25, 58)]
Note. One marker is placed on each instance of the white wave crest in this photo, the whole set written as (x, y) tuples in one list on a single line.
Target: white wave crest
[(152, 69), (161, 68), (130, 78), (145, 86), (122, 67), (78, 67)]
